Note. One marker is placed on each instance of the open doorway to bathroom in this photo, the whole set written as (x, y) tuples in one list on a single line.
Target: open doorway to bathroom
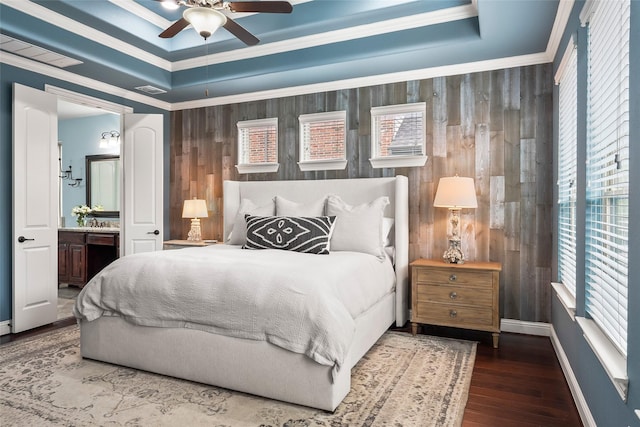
[(84, 132), (66, 299)]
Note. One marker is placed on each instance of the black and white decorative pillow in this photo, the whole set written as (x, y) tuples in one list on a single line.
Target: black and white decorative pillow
[(300, 234)]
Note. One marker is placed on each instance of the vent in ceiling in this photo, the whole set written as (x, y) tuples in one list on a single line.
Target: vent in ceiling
[(36, 53), (151, 90)]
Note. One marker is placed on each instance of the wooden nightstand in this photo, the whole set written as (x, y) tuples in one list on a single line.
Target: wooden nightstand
[(457, 295), (179, 244)]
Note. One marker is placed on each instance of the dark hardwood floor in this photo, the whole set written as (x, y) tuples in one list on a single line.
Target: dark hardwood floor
[(519, 384)]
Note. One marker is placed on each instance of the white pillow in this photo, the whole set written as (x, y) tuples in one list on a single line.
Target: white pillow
[(238, 235), (387, 225), (358, 228), (286, 207)]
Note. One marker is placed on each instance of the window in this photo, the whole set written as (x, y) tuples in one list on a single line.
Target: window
[(398, 135), (258, 146), (607, 192), (323, 141), (567, 165)]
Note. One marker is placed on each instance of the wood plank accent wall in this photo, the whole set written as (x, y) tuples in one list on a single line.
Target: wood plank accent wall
[(494, 126)]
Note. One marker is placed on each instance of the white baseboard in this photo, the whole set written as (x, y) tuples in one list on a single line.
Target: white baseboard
[(5, 327), (522, 327), (576, 392)]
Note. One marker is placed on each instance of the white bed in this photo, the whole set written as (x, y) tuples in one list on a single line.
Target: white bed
[(256, 366)]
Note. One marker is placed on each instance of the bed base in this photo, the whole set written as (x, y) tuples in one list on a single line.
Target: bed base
[(254, 367)]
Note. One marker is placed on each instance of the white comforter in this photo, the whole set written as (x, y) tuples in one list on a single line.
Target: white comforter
[(301, 302)]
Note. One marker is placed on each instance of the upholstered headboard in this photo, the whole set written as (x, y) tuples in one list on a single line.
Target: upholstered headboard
[(352, 191)]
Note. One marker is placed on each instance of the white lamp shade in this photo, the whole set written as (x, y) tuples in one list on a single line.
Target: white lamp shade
[(205, 20), (456, 192), (194, 208)]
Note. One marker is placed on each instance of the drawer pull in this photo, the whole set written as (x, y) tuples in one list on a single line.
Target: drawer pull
[(453, 313), (452, 278), (453, 295)]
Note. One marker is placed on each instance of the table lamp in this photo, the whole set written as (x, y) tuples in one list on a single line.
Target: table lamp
[(194, 209), (455, 193)]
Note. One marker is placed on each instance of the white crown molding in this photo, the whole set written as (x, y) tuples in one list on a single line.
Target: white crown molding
[(574, 385), (57, 73), (51, 17), (426, 73), (382, 27), (398, 24), (559, 25), (161, 22), (142, 12)]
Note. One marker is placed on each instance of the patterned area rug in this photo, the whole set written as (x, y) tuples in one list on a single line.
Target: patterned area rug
[(402, 381)]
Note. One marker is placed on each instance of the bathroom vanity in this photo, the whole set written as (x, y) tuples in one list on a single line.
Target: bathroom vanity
[(84, 251)]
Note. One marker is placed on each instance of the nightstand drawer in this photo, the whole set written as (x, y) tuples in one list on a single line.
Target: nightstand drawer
[(454, 315), (455, 295), (466, 278)]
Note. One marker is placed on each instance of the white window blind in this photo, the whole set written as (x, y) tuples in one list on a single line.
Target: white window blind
[(323, 140), (398, 135), (257, 145), (607, 195), (567, 165)]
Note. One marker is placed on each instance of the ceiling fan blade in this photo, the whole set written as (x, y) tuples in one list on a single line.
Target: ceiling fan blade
[(261, 6), (175, 28), (234, 28)]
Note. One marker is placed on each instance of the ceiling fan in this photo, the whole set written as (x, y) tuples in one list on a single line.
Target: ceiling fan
[(206, 16)]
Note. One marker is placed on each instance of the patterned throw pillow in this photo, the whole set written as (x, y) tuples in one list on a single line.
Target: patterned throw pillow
[(300, 234)]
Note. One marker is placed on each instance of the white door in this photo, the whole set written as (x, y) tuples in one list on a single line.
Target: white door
[(142, 183), (35, 208)]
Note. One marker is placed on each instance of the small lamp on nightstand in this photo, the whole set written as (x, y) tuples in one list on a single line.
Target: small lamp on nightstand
[(455, 193), (194, 209)]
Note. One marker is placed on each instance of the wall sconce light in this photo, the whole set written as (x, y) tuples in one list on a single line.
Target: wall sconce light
[(455, 193), (109, 139), (195, 209), (68, 175)]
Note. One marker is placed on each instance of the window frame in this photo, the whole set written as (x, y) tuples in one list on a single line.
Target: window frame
[(567, 80), (261, 167), (601, 176), (306, 165), (607, 192), (402, 160)]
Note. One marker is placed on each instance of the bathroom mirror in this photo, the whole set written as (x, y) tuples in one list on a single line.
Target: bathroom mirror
[(103, 184)]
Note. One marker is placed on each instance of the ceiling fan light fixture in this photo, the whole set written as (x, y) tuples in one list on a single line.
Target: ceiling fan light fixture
[(170, 4), (205, 20)]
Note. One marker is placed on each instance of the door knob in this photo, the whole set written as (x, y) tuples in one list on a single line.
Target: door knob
[(22, 239), (156, 232)]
